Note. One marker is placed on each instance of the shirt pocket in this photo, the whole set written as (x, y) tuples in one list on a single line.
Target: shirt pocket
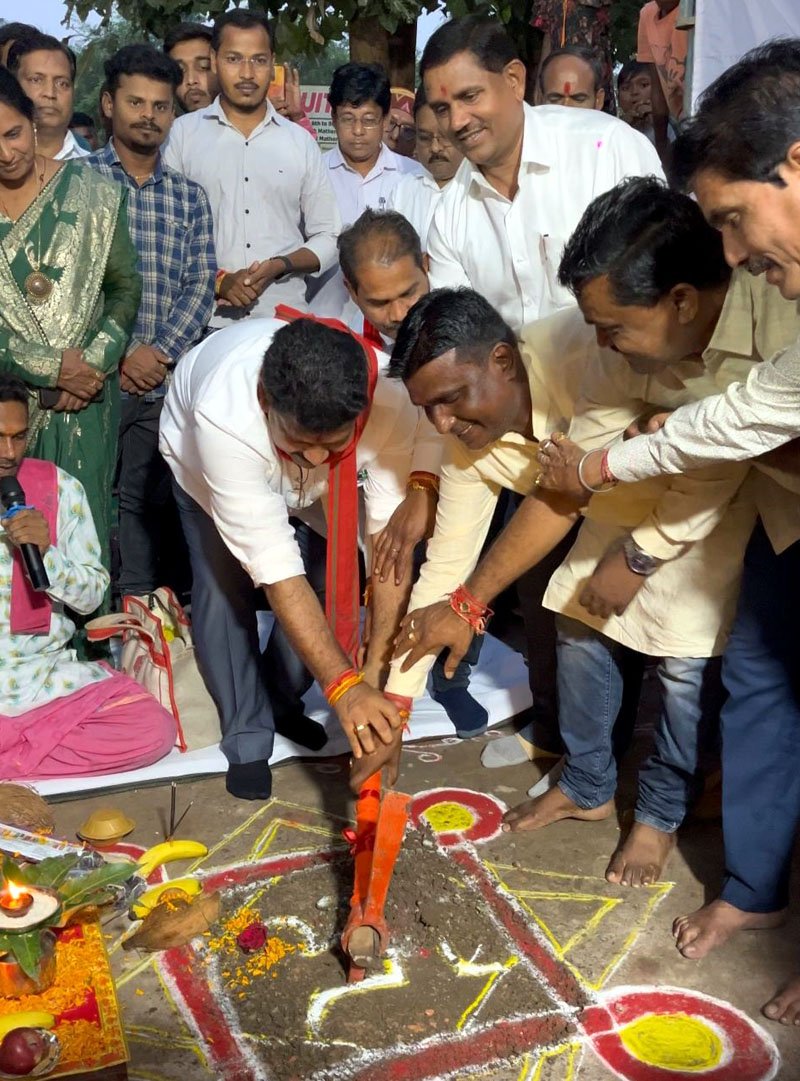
[(557, 296)]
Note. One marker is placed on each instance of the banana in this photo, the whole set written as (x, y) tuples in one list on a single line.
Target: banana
[(189, 886), (168, 851), (28, 1019)]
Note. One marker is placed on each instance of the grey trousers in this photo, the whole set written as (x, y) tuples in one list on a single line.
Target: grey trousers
[(250, 689)]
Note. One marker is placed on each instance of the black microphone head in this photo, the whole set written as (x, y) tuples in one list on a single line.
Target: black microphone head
[(11, 493)]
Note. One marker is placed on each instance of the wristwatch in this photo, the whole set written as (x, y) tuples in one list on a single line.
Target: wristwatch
[(638, 560), (287, 265)]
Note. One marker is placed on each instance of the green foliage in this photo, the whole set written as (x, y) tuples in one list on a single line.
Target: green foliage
[(26, 949), (318, 70), (94, 46), (624, 29), (74, 893)]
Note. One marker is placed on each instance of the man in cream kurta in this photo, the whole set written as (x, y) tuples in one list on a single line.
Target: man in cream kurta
[(697, 525)]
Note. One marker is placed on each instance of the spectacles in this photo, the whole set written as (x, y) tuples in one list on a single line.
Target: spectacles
[(400, 131), (369, 123), (233, 60), (428, 138)]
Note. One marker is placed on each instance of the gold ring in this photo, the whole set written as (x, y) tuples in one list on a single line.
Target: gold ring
[(538, 480), (360, 726)]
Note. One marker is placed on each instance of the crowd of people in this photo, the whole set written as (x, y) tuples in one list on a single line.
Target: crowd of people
[(479, 344)]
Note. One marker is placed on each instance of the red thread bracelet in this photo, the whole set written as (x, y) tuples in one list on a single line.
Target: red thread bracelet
[(470, 609)]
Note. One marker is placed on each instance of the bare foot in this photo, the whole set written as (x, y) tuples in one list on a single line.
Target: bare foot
[(640, 860), (554, 805), (712, 926), (785, 1007)]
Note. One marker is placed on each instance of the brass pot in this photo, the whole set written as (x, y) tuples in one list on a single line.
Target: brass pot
[(13, 981)]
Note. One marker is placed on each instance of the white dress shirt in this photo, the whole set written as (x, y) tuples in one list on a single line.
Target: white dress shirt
[(509, 250), (416, 198), (71, 149), (215, 439), (269, 195), (328, 295)]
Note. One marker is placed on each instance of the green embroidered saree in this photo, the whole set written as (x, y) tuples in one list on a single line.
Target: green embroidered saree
[(77, 229)]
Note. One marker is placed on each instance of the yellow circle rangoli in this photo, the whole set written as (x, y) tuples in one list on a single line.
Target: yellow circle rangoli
[(673, 1042), (448, 817)]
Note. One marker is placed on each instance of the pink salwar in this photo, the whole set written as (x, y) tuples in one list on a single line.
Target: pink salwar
[(107, 727)]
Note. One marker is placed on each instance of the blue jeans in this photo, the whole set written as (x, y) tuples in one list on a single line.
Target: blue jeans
[(590, 688), (761, 730)]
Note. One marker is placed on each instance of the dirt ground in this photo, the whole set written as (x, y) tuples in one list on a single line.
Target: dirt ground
[(496, 947)]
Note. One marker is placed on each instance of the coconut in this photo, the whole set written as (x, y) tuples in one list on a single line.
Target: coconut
[(24, 809)]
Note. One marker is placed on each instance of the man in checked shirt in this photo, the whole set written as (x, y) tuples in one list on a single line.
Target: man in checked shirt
[(171, 226)]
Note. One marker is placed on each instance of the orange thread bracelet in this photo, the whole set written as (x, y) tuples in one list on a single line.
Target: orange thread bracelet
[(342, 684)]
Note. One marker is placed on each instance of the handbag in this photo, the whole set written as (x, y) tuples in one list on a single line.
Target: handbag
[(158, 652)]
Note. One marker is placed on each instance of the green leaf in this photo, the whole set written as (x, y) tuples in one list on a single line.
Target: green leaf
[(26, 947), (51, 872), (90, 889), (12, 870)]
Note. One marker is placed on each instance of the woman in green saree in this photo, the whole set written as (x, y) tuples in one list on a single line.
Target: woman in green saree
[(69, 294)]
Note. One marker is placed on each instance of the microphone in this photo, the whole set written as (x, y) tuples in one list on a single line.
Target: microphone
[(12, 498)]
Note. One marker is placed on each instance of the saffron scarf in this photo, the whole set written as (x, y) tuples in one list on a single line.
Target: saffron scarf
[(342, 599), (31, 610)]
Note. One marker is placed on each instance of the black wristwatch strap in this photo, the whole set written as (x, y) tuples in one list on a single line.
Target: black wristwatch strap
[(287, 265)]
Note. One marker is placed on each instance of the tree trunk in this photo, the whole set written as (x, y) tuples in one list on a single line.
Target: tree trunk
[(370, 43)]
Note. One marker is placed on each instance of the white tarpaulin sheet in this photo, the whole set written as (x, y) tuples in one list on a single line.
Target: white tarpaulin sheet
[(726, 29), (499, 682)]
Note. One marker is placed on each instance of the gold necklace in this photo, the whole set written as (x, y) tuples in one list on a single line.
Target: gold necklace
[(38, 286)]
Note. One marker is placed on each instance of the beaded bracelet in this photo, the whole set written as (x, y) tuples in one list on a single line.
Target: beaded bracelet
[(582, 481), (342, 684), (470, 609)]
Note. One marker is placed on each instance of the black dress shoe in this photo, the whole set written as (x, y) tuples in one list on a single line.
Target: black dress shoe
[(249, 780)]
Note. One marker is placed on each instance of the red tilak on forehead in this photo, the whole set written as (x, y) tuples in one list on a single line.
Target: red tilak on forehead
[(567, 88)]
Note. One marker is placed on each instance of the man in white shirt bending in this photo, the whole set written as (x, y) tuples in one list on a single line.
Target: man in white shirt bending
[(417, 195), (275, 216), (529, 174), (362, 170), (262, 423)]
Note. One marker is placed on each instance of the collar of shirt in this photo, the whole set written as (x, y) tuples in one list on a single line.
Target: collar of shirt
[(535, 141), (109, 156), (216, 112), (734, 330), (385, 163), (71, 149)]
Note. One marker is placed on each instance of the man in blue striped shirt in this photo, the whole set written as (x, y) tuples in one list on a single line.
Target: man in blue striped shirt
[(172, 228)]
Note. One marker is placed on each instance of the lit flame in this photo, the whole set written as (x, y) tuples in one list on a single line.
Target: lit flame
[(15, 891)]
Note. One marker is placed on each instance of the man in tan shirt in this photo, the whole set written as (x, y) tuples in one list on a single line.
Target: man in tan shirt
[(656, 565)]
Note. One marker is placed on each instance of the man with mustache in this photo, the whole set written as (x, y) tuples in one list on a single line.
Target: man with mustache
[(275, 215), (529, 173), (417, 195), (189, 45), (170, 222), (45, 69)]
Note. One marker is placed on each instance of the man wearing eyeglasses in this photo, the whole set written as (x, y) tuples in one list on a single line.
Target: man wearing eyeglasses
[(275, 216), (362, 170), (417, 195)]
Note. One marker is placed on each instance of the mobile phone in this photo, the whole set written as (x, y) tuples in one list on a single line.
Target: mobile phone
[(278, 84)]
